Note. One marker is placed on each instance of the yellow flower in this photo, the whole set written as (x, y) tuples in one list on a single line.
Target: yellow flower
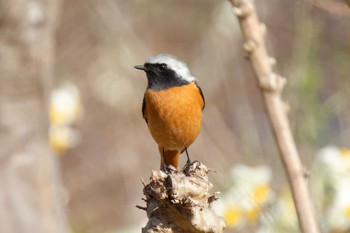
[(65, 105), (345, 152), (62, 138), (260, 193), (253, 214), (346, 211), (232, 216)]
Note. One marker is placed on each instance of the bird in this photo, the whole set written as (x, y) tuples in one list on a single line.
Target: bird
[(172, 107)]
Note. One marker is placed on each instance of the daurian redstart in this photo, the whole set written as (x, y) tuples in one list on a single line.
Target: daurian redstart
[(172, 106)]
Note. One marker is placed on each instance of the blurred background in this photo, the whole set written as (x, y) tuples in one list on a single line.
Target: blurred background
[(103, 145)]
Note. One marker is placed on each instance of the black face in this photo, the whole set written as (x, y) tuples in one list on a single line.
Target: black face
[(160, 77)]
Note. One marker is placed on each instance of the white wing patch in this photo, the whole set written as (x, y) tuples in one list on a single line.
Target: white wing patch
[(179, 67)]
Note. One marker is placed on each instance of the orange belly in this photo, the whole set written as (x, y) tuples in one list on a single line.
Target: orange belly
[(174, 116)]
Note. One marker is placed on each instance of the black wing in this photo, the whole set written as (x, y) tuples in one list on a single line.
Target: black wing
[(143, 109), (200, 92)]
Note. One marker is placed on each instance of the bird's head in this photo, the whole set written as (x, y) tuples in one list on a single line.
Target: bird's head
[(164, 71)]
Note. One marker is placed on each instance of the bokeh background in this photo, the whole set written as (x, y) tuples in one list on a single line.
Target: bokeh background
[(99, 42), (108, 146)]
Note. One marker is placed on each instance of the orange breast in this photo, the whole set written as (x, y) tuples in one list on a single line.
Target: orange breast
[(174, 115)]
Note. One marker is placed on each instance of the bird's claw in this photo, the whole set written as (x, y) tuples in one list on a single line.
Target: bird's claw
[(186, 169)]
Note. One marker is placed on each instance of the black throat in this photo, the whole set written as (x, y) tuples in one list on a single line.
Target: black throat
[(164, 80)]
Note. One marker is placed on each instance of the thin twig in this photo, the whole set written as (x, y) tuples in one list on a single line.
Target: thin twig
[(141, 207), (271, 86)]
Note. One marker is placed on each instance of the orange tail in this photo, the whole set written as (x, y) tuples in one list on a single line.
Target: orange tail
[(171, 157)]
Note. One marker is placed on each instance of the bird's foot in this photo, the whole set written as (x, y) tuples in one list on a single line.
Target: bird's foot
[(168, 169), (187, 168)]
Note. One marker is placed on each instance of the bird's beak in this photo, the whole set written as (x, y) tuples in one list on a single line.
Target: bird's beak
[(140, 67)]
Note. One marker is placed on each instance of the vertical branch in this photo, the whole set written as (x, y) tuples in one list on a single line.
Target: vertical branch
[(271, 86)]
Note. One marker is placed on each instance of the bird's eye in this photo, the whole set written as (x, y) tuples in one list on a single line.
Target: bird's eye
[(162, 67)]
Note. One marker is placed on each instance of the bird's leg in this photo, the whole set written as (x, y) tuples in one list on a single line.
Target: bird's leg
[(188, 164), (188, 157), (163, 166), (186, 169)]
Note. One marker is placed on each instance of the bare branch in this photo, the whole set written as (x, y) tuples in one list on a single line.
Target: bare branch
[(271, 86)]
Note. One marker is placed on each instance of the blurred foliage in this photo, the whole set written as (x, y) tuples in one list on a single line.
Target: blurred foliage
[(306, 83), (347, 2), (250, 203)]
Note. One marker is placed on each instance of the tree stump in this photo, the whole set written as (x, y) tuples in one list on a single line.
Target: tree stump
[(180, 202)]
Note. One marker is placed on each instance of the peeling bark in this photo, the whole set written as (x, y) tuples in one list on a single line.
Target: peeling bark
[(179, 202)]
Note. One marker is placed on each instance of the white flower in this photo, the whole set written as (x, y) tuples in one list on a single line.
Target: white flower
[(65, 110), (281, 217), (65, 105), (331, 187), (243, 201)]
